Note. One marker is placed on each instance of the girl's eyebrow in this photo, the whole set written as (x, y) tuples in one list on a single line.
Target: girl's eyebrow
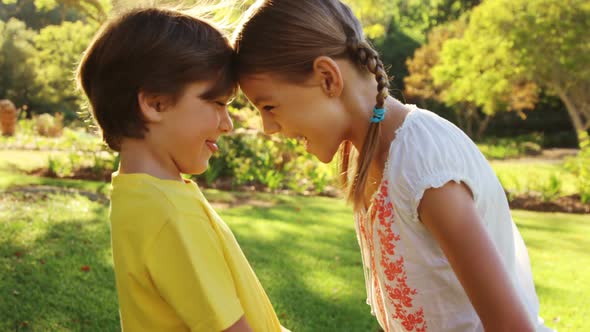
[(259, 100)]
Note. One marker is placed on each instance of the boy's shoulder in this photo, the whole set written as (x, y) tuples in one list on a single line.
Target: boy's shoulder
[(137, 195), (148, 199)]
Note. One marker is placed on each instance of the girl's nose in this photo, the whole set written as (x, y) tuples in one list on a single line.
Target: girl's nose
[(270, 126), (226, 124)]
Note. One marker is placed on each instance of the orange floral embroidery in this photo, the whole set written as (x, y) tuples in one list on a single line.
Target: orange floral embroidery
[(367, 238)]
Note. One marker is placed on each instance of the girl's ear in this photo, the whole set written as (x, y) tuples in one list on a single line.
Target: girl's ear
[(151, 106), (327, 72)]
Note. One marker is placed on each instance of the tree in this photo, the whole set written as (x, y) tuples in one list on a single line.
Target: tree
[(419, 84), (58, 50), (545, 41), (418, 17), (462, 79), (399, 27), (95, 10), (375, 15), (478, 84), (24, 10), (16, 77)]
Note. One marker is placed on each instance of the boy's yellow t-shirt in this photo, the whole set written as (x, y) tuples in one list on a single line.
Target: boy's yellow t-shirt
[(178, 266)]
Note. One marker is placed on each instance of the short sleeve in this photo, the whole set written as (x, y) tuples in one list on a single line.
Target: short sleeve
[(428, 152), (187, 265)]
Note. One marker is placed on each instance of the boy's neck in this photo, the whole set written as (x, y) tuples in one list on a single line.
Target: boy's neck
[(138, 157)]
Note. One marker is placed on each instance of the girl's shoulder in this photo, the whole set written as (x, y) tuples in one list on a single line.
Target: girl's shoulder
[(429, 151), (422, 125), (425, 136)]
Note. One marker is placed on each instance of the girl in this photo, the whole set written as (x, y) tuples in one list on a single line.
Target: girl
[(439, 246)]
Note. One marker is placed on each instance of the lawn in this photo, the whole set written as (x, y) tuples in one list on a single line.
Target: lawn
[(56, 268), (530, 175)]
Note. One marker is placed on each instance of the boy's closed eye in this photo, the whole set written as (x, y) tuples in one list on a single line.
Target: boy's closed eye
[(224, 102)]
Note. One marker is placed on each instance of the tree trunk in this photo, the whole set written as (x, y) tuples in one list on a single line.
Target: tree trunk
[(483, 125), (468, 120), (470, 116)]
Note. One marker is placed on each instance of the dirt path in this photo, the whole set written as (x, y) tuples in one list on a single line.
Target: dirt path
[(44, 191)]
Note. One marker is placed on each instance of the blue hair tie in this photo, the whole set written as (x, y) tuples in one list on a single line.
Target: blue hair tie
[(378, 115)]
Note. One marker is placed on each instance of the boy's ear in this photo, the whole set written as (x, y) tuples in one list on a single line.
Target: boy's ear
[(328, 73), (151, 106)]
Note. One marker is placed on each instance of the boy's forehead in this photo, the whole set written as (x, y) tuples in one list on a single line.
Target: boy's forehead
[(200, 85), (212, 88)]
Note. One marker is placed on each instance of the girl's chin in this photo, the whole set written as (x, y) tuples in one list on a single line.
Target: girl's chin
[(324, 156)]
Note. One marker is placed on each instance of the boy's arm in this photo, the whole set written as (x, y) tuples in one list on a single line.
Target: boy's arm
[(190, 273), (450, 215), (240, 326)]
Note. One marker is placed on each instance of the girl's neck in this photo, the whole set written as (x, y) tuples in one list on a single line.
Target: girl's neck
[(394, 118)]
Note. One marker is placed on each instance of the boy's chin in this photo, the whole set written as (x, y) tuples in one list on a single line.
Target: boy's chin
[(196, 169)]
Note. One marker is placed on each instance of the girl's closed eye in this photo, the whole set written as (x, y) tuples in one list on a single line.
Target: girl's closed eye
[(268, 108)]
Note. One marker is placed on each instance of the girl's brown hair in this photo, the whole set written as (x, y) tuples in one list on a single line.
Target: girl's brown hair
[(286, 36), (154, 50)]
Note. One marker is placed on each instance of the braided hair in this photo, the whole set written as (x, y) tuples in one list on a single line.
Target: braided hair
[(366, 57)]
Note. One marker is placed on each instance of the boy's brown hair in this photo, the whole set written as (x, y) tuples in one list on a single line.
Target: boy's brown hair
[(157, 51)]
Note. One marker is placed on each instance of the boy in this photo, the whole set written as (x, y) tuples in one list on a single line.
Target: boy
[(158, 82)]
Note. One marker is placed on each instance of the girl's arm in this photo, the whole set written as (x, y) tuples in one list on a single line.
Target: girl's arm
[(449, 213), (240, 326)]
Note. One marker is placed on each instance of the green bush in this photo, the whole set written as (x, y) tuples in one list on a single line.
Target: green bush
[(27, 138), (550, 188), (580, 166), (548, 182), (48, 125), (92, 165), (59, 167), (509, 148), (250, 158), (247, 157)]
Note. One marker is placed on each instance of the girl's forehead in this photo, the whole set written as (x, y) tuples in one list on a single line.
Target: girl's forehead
[(260, 84), (257, 78)]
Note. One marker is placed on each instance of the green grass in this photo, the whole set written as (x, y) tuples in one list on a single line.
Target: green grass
[(14, 164), (45, 240), (304, 251), (527, 176), (559, 249), (21, 160)]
